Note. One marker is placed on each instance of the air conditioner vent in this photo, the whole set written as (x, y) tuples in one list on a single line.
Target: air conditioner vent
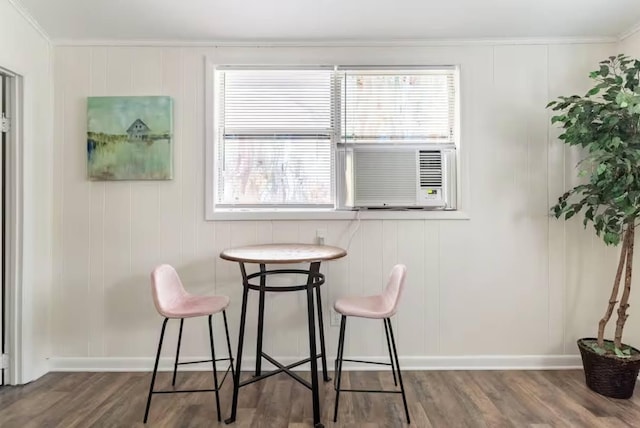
[(385, 177), (430, 168)]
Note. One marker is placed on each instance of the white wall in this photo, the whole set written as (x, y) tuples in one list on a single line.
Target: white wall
[(26, 52), (509, 282), (631, 45)]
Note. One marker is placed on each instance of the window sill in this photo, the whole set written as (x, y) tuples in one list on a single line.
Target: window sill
[(256, 214)]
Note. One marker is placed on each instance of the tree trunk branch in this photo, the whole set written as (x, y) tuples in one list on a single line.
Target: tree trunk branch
[(624, 301), (614, 292)]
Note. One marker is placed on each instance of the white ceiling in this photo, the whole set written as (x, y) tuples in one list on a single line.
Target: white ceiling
[(330, 20)]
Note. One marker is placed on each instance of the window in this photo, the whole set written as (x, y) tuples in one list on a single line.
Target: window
[(275, 132), (278, 131), (395, 106)]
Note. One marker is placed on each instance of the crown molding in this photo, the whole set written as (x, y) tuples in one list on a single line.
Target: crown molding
[(629, 32), (336, 43), (22, 10)]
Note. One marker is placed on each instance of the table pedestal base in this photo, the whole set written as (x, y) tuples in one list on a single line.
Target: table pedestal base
[(314, 280)]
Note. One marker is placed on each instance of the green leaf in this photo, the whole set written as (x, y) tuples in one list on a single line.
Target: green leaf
[(593, 91), (589, 214), (620, 198), (606, 129), (611, 238)]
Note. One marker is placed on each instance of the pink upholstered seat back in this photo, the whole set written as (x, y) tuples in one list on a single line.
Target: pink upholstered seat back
[(395, 285), (167, 289)]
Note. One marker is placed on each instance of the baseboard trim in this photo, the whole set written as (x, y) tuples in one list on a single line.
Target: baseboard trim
[(493, 362)]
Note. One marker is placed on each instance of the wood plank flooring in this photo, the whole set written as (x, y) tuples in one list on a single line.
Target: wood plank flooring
[(535, 399)]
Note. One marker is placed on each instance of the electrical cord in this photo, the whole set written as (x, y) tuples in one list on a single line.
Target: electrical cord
[(357, 219)]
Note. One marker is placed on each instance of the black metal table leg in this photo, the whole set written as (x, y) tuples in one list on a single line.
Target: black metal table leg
[(314, 280), (243, 317), (325, 374), (263, 281), (315, 267)]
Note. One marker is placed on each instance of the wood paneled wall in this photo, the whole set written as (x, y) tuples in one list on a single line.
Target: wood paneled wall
[(508, 282)]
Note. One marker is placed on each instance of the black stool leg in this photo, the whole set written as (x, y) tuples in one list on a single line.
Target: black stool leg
[(263, 281), (243, 317), (175, 365), (338, 374), (395, 353), (325, 375), (338, 357), (226, 330), (315, 267), (155, 370), (215, 371), (393, 366)]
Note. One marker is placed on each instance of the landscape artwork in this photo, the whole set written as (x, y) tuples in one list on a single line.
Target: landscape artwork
[(129, 138)]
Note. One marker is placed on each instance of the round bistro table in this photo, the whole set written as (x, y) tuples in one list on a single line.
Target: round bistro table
[(283, 254)]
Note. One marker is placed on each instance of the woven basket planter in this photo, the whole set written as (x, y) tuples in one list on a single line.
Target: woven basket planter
[(609, 375)]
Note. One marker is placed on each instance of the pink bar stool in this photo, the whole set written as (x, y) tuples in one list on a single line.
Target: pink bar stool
[(382, 306), (173, 301)]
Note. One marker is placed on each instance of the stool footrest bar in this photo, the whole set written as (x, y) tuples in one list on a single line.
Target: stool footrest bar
[(202, 361), (367, 362), (226, 372), (381, 391), (179, 391)]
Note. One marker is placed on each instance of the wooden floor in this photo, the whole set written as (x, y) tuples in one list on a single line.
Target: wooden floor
[(436, 399)]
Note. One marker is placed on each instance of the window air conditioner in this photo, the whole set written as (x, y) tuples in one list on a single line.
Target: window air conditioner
[(392, 176)]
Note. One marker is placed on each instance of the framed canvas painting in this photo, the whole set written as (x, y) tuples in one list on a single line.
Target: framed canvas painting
[(130, 138)]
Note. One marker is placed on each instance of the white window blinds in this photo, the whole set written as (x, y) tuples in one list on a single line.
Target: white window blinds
[(398, 106), (275, 130)]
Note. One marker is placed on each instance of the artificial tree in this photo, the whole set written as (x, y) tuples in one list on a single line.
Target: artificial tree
[(606, 124)]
